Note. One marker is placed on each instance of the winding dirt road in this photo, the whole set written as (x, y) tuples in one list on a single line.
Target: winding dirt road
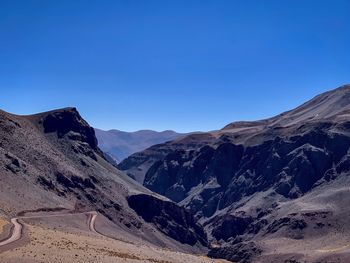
[(16, 232), (92, 219), (17, 228)]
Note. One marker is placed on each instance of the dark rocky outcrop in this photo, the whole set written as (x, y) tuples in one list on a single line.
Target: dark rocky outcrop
[(242, 252), (290, 222), (230, 226), (69, 122), (171, 219)]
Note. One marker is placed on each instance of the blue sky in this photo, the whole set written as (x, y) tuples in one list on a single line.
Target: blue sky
[(182, 65)]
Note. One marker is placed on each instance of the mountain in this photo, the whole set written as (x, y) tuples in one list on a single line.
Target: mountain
[(273, 190), (121, 144), (51, 167)]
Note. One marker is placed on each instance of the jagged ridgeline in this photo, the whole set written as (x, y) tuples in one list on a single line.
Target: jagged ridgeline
[(282, 180)]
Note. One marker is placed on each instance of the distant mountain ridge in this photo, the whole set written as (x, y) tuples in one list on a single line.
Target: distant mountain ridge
[(121, 144)]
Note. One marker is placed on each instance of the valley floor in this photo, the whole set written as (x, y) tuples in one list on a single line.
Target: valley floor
[(42, 244)]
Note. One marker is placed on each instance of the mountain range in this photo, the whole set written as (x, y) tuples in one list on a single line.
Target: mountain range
[(120, 144), (272, 190)]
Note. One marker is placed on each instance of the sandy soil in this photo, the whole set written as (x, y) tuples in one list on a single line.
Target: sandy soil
[(58, 246), (3, 222), (333, 248)]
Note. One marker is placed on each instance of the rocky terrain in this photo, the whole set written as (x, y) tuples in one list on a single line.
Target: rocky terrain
[(272, 190), (52, 168), (120, 144)]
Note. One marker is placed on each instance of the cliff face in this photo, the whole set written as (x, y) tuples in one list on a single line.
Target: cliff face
[(257, 181), (69, 122), (170, 218), (51, 160), (290, 164), (137, 165)]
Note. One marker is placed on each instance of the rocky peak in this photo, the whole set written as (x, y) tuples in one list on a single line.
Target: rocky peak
[(68, 121)]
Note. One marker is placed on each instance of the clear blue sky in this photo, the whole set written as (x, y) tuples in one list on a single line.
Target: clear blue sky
[(182, 65)]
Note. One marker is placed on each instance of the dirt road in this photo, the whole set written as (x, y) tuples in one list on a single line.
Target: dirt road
[(17, 228), (16, 232), (92, 219)]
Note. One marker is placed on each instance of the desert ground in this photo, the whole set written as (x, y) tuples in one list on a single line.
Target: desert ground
[(73, 238)]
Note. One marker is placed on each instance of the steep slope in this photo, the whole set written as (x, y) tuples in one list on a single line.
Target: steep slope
[(121, 144), (257, 184), (329, 105), (334, 103), (51, 162), (137, 165)]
